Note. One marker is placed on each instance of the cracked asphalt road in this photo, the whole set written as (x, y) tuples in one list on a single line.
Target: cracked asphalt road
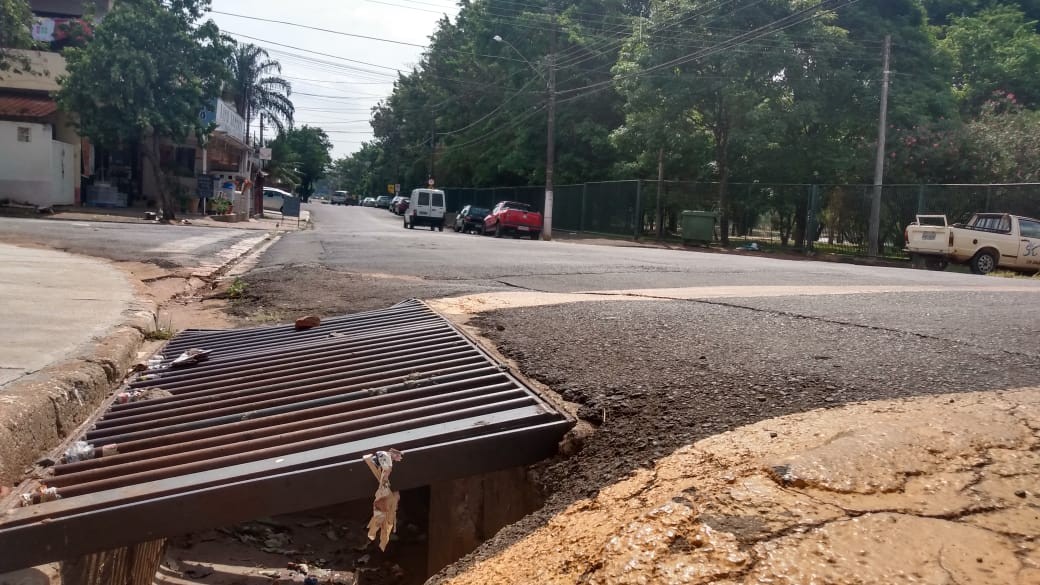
[(730, 339)]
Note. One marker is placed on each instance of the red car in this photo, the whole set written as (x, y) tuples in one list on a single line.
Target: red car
[(510, 217)]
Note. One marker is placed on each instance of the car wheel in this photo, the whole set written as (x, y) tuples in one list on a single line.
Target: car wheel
[(406, 224), (440, 228), (984, 262), (498, 231), (534, 235), (937, 264)]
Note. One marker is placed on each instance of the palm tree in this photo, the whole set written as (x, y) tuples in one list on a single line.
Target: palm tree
[(256, 89)]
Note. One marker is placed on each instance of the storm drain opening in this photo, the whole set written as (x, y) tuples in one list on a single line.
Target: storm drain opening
[(226, 427)]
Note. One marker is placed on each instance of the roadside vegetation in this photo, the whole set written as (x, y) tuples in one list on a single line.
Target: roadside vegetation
[(683, 83)]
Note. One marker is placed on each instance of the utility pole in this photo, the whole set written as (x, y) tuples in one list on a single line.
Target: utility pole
[(660, 183), (431, 168), (879, 164), (550, 148)]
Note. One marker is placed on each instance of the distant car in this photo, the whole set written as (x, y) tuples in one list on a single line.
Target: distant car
[(383, 201), (369, 202), (399, 205), (511, 217), (274, 198), (471, 218), (425, 207), (339, 198)]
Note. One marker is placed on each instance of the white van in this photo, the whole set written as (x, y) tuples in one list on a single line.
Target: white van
[(425, 208)]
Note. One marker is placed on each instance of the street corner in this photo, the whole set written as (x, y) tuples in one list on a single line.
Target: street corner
[(936, 489)]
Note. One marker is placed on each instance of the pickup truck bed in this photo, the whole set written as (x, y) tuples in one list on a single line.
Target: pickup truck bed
[(987, 241)]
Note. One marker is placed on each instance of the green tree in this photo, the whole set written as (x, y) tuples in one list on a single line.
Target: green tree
[(726, 94), (997, 49), (150, 69), (15, 24), (1006, 139), (255, 88), (305, 150)]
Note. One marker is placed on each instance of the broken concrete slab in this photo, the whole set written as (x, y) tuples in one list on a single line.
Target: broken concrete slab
[(938, 489)]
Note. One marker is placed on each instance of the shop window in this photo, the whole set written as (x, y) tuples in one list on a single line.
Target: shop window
[(24, 134), (185, 162), (178, 160)]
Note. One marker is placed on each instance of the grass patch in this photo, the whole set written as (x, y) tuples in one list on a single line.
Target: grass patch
[(237, 288), (160, 332), (1013, 274)]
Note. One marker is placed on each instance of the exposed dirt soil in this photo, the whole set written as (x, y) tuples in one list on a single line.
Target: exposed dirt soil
[(282, 293), (927, 490)]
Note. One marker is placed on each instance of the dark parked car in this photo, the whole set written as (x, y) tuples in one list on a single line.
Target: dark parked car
[(471, 218), (399, 204)]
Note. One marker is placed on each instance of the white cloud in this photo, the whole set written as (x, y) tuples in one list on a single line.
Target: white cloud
[(354, 87)]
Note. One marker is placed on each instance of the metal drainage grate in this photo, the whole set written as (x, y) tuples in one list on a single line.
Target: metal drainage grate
[(276, 421)]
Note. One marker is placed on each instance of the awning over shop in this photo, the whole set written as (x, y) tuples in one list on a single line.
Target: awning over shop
[(20, 106)]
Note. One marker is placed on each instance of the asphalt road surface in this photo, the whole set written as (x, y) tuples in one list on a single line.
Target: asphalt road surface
[(708, 343), (169, 246)]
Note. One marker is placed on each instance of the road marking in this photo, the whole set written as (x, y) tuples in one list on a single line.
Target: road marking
[(187, 245), (483, 302)]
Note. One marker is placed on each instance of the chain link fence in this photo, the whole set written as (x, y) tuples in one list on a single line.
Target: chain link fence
[(826, 218)]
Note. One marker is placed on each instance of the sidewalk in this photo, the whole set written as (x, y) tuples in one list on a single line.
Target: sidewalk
[(271, 221), (71, 329), (54, 303)]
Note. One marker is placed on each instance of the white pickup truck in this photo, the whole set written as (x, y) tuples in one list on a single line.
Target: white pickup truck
[(986, 242)]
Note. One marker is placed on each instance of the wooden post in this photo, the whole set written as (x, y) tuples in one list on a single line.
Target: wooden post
[(132, 565)]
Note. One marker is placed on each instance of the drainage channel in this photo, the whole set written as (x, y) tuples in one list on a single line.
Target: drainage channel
[(437, 525), (272, 421)]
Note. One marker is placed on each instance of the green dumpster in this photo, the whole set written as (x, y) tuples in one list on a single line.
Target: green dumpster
[(698, 226)]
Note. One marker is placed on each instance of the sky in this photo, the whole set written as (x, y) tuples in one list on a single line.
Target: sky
[(343, 91)]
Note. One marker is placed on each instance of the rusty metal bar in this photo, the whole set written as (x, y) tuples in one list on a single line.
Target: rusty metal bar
[(272, 425), (331, 396), (273, 409), (222, 453), (199, 392), (284, 394), (225, 368), (106, 524)]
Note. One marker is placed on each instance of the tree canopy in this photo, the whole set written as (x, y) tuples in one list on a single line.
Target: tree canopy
[(780, 90), (15, 24), (256, 88), (152, 66), (301, 155)]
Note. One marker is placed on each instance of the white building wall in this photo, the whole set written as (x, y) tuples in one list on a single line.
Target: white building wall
[(25, 167)]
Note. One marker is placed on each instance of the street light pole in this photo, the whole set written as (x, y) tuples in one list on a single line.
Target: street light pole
[(550, 146)]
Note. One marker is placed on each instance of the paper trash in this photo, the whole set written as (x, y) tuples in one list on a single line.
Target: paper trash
[(384, 507)]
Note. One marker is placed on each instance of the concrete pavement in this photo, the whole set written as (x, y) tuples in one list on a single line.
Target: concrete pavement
[(71, 329), (167, 246), (54, 303)]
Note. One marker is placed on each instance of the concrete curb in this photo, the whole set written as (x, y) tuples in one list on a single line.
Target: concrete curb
[(41, 410)]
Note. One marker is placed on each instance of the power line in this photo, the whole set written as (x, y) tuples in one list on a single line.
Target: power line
[(794, 18), (346, 34)]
